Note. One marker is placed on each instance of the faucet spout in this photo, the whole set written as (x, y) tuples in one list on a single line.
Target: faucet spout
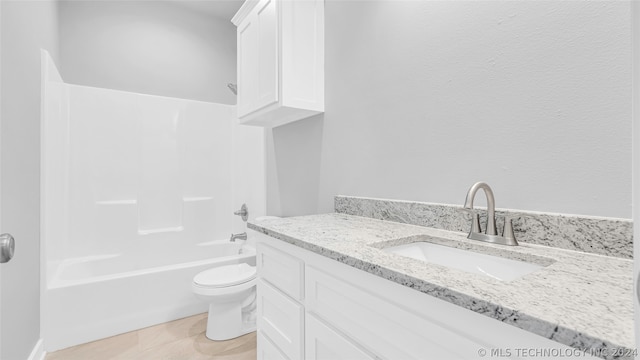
[(491, 204), (241, 236), (490, 235)]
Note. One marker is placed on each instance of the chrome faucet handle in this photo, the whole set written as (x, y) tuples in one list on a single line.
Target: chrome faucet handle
[(475, 223), (475, 220), (507, 232), (243, 212)]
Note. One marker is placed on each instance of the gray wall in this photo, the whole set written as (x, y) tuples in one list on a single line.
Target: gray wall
[(424, 98), (26, 27), (149, 47)]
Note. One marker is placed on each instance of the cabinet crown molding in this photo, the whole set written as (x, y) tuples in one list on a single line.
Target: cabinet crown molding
[(244, 10)]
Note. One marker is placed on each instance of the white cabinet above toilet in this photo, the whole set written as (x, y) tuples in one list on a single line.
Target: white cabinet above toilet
[(280, 61)]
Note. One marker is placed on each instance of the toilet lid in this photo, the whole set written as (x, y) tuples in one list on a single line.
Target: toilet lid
[(227, 275)]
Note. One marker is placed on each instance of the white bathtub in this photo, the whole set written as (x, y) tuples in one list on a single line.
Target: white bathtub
[(100, 296)]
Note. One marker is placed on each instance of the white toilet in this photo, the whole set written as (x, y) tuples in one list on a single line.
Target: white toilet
[(230, 291)]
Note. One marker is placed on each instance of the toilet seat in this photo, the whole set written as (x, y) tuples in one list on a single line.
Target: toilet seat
[(225, 276)]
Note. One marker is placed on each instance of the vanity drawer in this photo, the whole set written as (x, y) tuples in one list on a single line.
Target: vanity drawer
[(281, 269), (280, 319)]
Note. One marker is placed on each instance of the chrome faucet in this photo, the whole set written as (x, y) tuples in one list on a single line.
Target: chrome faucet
[(241, 236), (490, 234)]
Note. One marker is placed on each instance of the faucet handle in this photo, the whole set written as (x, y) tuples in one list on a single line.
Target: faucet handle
[(243, 212), (475, 220), (475, 223), (507, 232)]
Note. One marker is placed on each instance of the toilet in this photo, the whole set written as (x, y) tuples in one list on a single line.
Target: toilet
[(230, 291)]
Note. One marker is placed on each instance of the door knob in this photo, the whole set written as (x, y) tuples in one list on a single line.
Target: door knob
[(7, 247)]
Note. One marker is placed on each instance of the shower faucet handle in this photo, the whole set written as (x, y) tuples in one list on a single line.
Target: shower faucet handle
[(243, 212)]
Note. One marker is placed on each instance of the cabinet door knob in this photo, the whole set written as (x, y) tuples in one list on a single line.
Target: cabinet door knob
[(7, 247)]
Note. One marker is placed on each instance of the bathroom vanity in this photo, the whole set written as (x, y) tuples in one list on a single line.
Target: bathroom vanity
[(330, 288)]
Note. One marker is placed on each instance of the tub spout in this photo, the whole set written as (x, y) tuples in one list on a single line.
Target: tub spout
[(241, 236)]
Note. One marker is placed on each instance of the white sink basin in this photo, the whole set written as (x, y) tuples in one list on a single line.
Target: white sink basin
[(493, 266)]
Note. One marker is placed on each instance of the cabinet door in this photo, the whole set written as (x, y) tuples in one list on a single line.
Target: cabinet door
[(386, 325), (267, 21), (324, 343), (281, 320), (267, 350), (258, 58), (247, 65)]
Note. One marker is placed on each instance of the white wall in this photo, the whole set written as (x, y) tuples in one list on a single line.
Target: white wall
[(27, 26), (424, 98), (149, 47), (248, 173)]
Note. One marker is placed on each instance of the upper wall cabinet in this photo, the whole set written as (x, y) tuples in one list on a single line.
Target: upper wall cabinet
[(280, 61)]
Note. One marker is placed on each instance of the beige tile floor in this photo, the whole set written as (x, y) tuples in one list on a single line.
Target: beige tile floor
[(182, 339)]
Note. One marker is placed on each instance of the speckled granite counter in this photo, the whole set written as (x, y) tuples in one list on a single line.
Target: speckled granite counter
[(578, 299)]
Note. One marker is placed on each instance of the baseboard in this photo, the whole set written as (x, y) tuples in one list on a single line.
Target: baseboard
[(61, 337), (38, 352)]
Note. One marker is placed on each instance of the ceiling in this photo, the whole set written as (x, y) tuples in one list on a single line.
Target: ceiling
[(224, 9)]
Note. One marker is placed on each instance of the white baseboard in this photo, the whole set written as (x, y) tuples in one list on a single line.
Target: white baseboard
[(38, 352)]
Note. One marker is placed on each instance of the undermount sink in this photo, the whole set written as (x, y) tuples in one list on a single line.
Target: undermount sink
[(492, 266)]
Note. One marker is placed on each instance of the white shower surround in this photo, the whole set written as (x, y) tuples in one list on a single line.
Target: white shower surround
[(138, 193)]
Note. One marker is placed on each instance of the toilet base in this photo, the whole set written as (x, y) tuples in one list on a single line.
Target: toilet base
[(232, 308), (225, 321)]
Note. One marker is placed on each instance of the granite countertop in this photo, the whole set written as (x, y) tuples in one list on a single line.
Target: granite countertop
[(577, 299)]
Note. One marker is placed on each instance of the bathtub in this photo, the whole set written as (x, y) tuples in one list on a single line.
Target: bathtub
[(95, 297)]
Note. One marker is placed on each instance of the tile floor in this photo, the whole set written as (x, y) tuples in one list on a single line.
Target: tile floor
[(182, 339)]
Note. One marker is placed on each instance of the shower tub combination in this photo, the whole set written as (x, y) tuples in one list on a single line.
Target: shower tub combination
[(99, 296), (138, 194)]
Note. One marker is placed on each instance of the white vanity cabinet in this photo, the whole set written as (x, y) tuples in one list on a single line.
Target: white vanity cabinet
[(325, 343), (285, 330), (280, 46), (312, 307)]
